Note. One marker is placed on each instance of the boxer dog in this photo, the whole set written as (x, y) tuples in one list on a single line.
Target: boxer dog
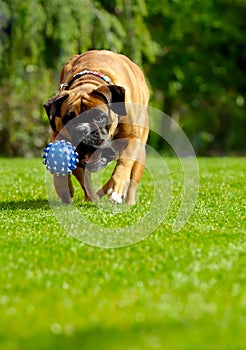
[(101, 108)]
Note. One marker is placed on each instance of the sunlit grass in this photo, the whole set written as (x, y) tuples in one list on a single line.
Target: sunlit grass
[(182, 290)]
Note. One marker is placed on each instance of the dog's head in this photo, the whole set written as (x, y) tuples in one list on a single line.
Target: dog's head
[(88, 119)]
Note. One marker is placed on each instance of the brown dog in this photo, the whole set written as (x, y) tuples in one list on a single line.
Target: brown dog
[(101, 107)]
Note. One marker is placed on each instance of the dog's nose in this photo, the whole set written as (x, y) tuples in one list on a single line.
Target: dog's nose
[(80, 133)]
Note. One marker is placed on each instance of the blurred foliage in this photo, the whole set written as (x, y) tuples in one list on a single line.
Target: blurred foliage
[(193, 53), (199, 74)]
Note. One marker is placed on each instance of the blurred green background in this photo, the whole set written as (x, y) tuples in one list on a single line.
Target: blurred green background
[(193, 54)]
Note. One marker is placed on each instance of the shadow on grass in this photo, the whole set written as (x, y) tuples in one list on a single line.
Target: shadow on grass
[(171, 335), (28, 204)]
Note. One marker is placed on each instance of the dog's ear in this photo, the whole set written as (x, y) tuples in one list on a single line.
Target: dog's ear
[(114, 96), (53, 108)]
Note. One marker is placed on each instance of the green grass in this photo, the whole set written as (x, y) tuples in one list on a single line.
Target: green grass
[(183, 290)]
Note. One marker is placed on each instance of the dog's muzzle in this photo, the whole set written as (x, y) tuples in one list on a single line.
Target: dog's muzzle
[(90, 137), (98, 159)]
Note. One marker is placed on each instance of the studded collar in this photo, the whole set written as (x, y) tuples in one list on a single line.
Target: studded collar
[(66, 86)]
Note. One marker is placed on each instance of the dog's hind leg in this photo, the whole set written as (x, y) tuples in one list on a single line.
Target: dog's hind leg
[(84, 179), (104, 190)]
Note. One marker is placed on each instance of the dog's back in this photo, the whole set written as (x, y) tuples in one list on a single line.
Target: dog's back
[(119, 68)]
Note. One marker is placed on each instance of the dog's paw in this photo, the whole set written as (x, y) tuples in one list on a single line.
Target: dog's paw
[(114, 197), (65, 198)]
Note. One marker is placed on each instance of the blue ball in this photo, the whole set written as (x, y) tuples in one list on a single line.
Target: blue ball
[(60, 158)]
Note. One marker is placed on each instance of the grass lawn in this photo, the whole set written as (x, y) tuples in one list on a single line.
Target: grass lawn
[(183, 290)]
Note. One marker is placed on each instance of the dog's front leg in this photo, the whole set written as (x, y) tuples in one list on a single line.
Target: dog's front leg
[(127, 174), (120, 180), (64, 187)]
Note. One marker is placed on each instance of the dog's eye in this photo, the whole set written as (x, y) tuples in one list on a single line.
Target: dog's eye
[(67, 117)]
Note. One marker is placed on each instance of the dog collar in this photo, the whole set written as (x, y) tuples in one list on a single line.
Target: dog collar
[(66, 86)]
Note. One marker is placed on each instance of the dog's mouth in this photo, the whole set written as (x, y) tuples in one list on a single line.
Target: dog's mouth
[(89, 134), (98, 159)]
